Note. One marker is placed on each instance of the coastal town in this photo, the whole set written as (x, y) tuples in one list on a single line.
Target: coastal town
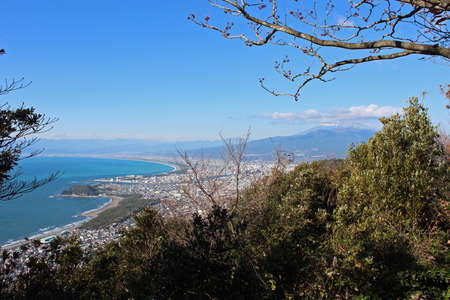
[(172, 194)]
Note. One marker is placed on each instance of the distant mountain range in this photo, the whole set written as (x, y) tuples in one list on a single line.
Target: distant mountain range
[(117, 146), (316, 143)]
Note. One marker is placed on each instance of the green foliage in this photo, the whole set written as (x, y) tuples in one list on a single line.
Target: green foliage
[(203, 261), (374, 226), (127, 207), (387, 229), (288, 235), (401, 169), (82, 190), (17, 129)]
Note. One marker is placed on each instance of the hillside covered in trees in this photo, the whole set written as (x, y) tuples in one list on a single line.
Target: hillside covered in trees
[(372, 226), (81, 190)]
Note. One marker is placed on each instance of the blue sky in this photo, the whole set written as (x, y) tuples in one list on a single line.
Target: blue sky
[(140, 69)]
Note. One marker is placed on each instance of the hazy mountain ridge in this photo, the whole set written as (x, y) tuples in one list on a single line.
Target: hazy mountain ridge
[(316, 143), (319, 142), (116, 146)]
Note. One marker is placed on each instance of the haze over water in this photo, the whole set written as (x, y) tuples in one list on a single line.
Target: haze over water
[(42, 209)]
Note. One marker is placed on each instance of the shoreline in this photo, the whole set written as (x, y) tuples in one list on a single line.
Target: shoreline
[(69, 227), (114, 202), (177, 166), (90, 214)]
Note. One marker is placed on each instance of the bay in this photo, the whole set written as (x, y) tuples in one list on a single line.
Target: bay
[(43, 210)]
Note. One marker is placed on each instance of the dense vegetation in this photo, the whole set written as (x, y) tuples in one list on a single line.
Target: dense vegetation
[(129, 205), (82, 190), (373, 226), (18, 130)]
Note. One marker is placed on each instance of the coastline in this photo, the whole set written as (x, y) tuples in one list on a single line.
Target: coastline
[(90, 214), (177, 166), (114, 202), (69, 227)]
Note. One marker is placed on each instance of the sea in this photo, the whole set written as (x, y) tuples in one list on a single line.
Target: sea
[(43, 210)]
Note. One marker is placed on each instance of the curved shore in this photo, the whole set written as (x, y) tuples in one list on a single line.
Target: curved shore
[(114, 202), (90, 214), (177, 166)]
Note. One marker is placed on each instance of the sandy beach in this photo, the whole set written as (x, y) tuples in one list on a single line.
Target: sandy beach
[(159, 160), (153, 159), (115, 200)]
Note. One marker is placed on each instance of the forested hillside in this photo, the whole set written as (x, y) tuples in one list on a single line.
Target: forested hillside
[(372, 226)]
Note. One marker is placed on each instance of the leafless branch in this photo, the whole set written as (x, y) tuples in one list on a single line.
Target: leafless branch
[(390, 28), (208, 181), (236, 153), (13, 85)]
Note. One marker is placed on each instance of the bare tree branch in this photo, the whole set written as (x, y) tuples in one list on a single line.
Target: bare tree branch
[(208, 181), (236, 153), (391, 29), (13, 85)]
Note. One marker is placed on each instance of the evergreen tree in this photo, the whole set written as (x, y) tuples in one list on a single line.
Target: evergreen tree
[(389, 221)]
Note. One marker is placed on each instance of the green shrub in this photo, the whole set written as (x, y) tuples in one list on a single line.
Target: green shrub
[(387, 231), (374, 226)]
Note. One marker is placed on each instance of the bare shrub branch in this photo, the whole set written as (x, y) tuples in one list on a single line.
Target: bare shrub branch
[(217, 182)]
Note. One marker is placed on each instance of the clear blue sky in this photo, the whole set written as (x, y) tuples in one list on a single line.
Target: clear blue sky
[(140, 69)]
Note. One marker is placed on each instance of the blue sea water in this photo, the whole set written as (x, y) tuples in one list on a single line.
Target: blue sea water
[(42, 210)]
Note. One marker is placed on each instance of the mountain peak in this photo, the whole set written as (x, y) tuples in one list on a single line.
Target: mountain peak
[(334, 129)]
